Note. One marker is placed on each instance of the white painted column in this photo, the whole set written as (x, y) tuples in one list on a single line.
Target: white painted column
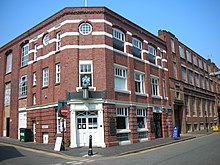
[(73, 128), (101, 127)]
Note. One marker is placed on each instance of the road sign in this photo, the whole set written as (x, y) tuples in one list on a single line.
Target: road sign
[(64, 111)]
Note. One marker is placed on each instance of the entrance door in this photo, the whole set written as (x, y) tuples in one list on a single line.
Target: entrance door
[(87, 125), (177, 117), (158, 125), (7, 126), (45, 138), (34, 130)]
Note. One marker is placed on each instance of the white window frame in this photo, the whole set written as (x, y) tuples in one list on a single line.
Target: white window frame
[(8, 63), (23, 86), (34, 78), (188, 56), (181, 51), (120, 75), (139, 78), (24, 55), (58, 73), (123, 112), (155, 86), (152, 52), (58, 41), (35, 52), (85, 28), (118, 34), (195, 60), (136, 43), (86, 67), (45, 77), (142, 113), (34, 99)]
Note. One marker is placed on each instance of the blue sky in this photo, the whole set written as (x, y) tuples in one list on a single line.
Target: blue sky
[(196, 23)]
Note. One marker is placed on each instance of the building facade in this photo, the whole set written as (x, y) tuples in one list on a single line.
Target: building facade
[(194, 93), (124, 67)]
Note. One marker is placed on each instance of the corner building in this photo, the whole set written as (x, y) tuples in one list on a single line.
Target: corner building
[(194, 93), (124, 66)]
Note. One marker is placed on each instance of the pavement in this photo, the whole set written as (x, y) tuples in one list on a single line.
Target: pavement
[(106, 152)]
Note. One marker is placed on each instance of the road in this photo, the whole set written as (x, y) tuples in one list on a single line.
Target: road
[(14, 155), (200, 151)]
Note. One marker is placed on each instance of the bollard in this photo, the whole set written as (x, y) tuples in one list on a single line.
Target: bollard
[(90, 152)]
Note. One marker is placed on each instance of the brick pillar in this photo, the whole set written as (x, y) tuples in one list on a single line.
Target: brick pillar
[(133, 125), (170, 122), (164, 124), (150, 119), (110, 133)]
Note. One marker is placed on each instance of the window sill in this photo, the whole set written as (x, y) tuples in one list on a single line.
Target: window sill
[(122, 91), (8, 73), (22, 97), (166, 98), (142, 130), (23, 66), (56, 84), (44, 87), (123, 130), (142, 94), (79, 89), (157, 97)]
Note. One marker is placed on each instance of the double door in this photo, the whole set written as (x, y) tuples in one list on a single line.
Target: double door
[(87, 124)]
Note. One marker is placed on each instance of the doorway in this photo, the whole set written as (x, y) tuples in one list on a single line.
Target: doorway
[(158, 125), (177, 118), (87, 124), (7, 126)]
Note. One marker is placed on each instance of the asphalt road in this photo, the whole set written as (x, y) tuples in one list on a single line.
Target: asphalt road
[(13, 155), (199, 151)]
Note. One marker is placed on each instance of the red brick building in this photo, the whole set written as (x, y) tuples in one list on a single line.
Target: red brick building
[(124, 66), (194, 93)]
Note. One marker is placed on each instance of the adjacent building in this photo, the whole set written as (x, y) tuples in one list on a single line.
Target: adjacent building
[(194, 93), (124, 67)]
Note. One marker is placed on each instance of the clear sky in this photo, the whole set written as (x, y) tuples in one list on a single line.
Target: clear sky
[(196, 23)]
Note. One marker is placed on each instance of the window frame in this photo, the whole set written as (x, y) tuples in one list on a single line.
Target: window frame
[(122, 113), (183, 74), (58, 41), (58, 73), (155, 86), (35, 52), (87, 70), (24, 54), (85, 28), (120, 74), (8, 68), (181, 52), (23, 84), (45, 77), (152, 52), (139, 83), (188, 56), (34, 79)]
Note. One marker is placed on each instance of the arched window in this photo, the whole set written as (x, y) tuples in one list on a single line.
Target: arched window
[(118, 39), (152, 54), (137, 47)]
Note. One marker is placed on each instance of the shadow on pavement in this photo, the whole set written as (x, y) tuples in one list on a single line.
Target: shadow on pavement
[(9, 152)]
